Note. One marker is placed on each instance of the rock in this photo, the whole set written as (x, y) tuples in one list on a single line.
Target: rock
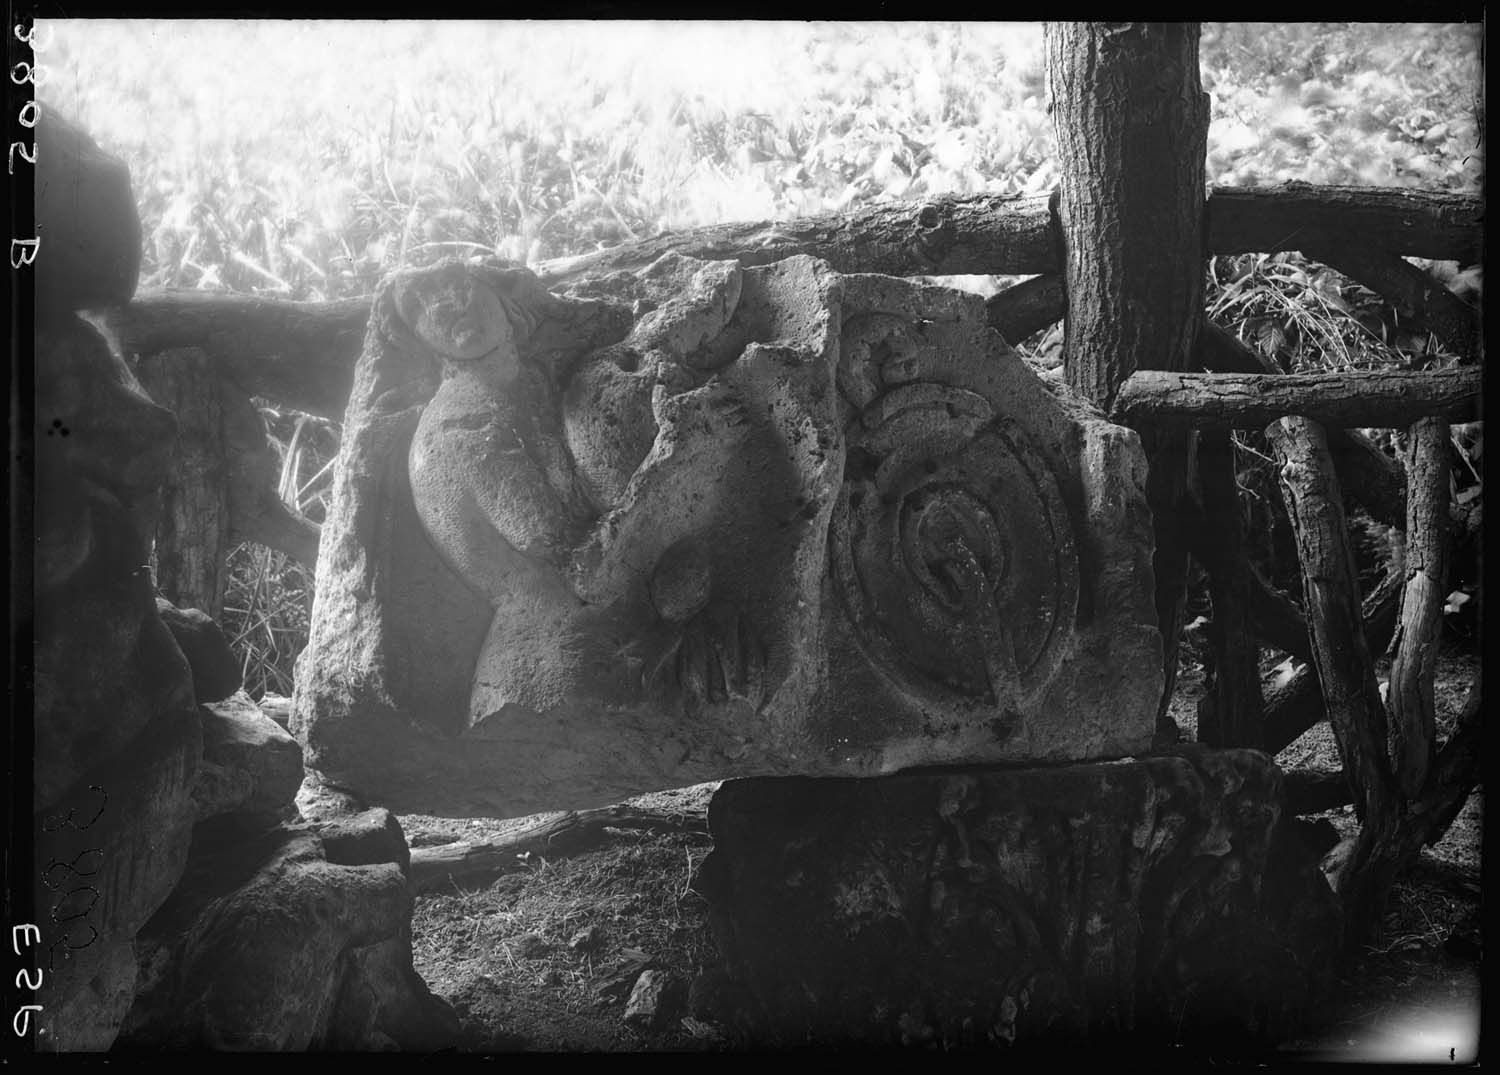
[(317, 801), (89, 1020), (653, 1002), (105, 665), (250, 765), (267, 946), (786, 521), (86, 215), (216, 672), (617, 983), (587, 939), (1160, 897), (361, 839)]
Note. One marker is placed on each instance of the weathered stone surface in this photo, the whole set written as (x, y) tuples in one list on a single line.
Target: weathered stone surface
[(1159, 896), (90, 254), (268, 946), (251, 765), (117, 738), (88, 1021), (105, 664), (216, 674), (786, 521)]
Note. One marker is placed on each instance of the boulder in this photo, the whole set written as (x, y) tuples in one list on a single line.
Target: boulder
[(705, 521), (1159, 898), (268, 946), (250, 764), (216, 672), (87, 220), (105, 664)]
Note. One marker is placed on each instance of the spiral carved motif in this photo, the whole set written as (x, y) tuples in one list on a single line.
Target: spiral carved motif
[(952, 550)]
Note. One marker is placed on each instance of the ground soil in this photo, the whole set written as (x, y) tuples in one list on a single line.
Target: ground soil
[(541, 958)]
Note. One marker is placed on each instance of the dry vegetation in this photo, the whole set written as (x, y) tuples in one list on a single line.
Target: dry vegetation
[(306, 160)]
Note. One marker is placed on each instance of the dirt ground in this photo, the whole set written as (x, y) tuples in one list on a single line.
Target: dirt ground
[(542, 959)]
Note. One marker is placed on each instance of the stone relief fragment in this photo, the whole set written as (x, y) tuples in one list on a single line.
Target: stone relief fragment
[(708, 520)]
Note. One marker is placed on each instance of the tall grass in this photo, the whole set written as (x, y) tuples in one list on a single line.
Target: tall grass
[(307, 159)]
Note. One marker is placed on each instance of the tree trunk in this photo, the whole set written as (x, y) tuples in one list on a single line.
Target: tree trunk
[(1132, 129), (1419, 634), (1229, 714), (1388, 398), (193, 531)]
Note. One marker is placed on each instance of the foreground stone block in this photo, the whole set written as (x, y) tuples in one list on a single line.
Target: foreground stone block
[(704, 521), (250, 764), (1159, 897), (267, 946)]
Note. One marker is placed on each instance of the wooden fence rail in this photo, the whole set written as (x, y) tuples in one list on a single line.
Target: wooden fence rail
[(302, 354)]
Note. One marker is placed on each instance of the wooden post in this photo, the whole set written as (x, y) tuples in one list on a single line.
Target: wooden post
[(1132, 130), (1229, 714), (1420, 629), (1330, 585), (192, 536)]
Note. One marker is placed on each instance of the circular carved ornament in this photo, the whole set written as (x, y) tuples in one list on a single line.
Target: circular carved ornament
[(951, 548)]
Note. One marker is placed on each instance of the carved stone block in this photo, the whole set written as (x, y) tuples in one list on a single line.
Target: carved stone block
[(706, 521), (1154, 901)]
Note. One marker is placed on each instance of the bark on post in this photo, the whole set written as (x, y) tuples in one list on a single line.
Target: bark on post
[(1331, 597), (1413, 724), (1132, 131), (1250, 401)]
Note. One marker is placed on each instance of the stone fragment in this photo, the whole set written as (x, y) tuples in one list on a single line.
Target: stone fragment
[(267, 946), (1162, 898), (653, 1002), (216, 673), (587, 939), (362, 839), (786, 521), (86, 216), (250, 765)]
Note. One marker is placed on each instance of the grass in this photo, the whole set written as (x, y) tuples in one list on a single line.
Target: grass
[(306, 160)]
